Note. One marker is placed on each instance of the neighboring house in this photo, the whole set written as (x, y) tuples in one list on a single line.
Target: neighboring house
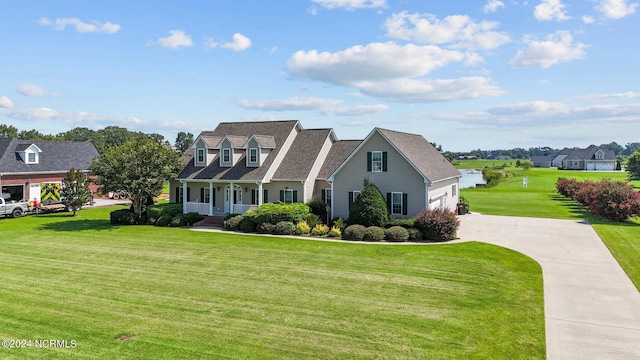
[(241, 165), (592, 158), (26, 164)]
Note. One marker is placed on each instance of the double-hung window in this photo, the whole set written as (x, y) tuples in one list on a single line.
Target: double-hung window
[(288, 196), (253, 155), (226, 155), (376, 161), (201, 155), (396, 203)]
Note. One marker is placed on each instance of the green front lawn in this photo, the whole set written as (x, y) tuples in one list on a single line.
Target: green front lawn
[(540, 199), (185, 294)]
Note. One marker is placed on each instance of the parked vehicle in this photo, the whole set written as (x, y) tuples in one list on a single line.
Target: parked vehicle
[(13, 208)]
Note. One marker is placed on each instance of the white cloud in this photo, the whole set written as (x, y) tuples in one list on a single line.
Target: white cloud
[(81, 27), (350, 4), (354, 110), (550, 10), (616, 9), (177, 39), (210, 44), (588, 19), (493, 6), (76, 118), (373, 62), (556, 48), (289, 104), (5, 102), (458, 31), (417, 90), (600, 97), (29, 89), (239, 43)]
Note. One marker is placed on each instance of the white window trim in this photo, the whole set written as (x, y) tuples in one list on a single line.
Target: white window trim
[(393, 203), (373, 161), (201, 153), (454, 190), (226, 153), (288, 191), (356, 193), (35, 157), (207, 196), (327, 196), (252, 155)]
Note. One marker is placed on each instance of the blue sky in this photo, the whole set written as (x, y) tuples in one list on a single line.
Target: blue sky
[(466, 74)]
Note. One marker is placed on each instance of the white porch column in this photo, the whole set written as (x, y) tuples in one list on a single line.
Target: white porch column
[(184, 197), (232, 202), (260, 199), (332, 201), (211, 198)]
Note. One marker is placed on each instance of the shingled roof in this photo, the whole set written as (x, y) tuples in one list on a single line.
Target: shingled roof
[(279, 130), (589, 154), (339, 152), (421, 154), (56, 156), (302, 155)]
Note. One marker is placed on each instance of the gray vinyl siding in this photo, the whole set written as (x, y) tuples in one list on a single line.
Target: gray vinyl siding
[(200, 145), (399, 177), (253, 144), (275, 187)]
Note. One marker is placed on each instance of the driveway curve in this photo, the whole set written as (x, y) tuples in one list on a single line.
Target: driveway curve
[(592, 309)]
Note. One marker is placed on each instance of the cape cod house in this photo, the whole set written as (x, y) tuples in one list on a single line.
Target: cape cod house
[(593, 158), (25, 165), (240, 165)]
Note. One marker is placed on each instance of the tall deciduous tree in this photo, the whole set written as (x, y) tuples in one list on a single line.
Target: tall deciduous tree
[(139, 168), (75, 190), (183, 141), (633, 165)]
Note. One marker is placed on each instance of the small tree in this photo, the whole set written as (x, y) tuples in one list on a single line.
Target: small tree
[(138, 167), (183, 141), (633, 165), (75, 191), (370, 207)]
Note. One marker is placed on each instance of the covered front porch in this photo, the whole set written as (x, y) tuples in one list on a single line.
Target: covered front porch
[(218, 198)]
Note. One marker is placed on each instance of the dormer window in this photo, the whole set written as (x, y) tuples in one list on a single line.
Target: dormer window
[(201, 155), (253, 155), (32, 158), (600, 155), (226, 155), (30, 154)]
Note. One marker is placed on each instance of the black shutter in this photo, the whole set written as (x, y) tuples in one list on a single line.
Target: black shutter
[(295, 196), (384, 161), (253, 196), (368, 161), (265, 196), (213, 197), (405, 200), (324, 195), (188, 194), (201, 194), (282, 195), (389, 203), (178, 199), (350, 199)]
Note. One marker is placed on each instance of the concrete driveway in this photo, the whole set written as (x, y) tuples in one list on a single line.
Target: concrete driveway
[(592, 309)]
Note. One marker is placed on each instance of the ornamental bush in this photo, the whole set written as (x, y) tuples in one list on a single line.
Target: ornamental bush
[(612, 200), (192, 218), (403, 222), (438, 225), (274, 213), (339, 223), (302, 228), (335, 232), (396, 234), (284, 228), (319, 208), (177, 221), (320, 230), (247, 226), (234, 222), (373, 233), (369, 208), (415, 234), (265, 228), (164, 220), (354, 232)]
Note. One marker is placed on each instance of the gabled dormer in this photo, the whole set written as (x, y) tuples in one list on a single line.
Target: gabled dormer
[(257, 148), (204, 148), (231, 149), (30, 154), (599, 155)]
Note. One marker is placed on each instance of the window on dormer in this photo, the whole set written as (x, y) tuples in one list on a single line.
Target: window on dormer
[(226, 155), (200, 155), (253, 155), (599, 155), (31, 158)]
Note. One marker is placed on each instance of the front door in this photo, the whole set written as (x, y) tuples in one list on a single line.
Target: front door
[(237, 197)]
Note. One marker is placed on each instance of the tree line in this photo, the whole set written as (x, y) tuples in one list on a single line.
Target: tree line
[(109, 137), (520, 153)]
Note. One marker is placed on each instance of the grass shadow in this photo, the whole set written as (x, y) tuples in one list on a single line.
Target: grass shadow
[(78, 225), (574, 208)]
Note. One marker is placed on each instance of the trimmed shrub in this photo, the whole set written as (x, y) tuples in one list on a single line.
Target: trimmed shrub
[(164, 220), (339, 223), (302, 228), (151, 221), (319, 208), (415, 234), (403, 222), (334, 232), (438, 225), (320, 230), (369, 208), (229, 216), (354, 232), (612, 200), (124, 217), (396, 234), (177, 221), (312, 220), (265, 228), (373, 233), (274, 213), (192, 218), (233, 223), (284, 228), (247, 225), (491, 176)]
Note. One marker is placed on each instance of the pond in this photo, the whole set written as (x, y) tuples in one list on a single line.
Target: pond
[(470, 178)]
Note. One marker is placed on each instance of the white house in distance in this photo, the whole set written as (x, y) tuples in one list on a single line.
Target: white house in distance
[(593, 158), (240, 165)]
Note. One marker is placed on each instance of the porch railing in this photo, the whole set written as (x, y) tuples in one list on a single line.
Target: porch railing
[(242, 208), (199, 207)]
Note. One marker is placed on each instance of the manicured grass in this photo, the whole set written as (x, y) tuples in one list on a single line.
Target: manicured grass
[(185, 294), (540, 199)]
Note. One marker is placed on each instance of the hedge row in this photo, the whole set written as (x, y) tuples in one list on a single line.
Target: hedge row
[(159, 215), (612, 200)]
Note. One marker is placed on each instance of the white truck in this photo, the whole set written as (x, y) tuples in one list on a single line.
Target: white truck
[(13, 208)]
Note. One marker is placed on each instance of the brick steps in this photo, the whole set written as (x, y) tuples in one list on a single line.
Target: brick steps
[(211, 221)]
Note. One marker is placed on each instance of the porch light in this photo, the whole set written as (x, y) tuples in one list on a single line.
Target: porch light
[(246, 189), (218, 188)]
